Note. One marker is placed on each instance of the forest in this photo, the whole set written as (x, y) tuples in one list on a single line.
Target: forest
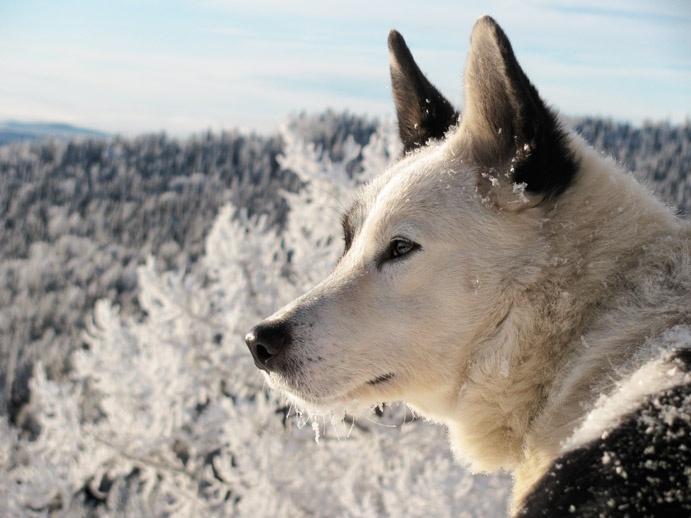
[(129, 271)]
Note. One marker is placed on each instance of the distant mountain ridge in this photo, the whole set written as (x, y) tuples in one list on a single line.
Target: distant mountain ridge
[(13, 131)]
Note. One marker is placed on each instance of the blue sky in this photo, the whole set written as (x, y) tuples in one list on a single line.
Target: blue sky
[(181, 66)]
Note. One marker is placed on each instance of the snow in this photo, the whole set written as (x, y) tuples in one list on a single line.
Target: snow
[(655, 375), (166, 415)]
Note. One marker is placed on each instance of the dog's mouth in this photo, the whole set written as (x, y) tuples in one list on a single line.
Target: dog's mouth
[(381, 379)]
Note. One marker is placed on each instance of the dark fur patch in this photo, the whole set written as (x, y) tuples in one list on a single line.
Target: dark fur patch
[(423, 113), (549, 167), (682, 357), (641, 468), (347, 233)]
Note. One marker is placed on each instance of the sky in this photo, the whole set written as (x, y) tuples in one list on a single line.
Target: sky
[(185, 67)]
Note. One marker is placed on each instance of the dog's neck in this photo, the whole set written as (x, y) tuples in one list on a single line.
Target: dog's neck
[(553, 337)]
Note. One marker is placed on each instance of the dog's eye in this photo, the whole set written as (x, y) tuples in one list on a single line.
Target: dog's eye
[(400, 246)]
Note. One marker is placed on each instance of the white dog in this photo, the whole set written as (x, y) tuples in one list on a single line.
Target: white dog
[(506, 280)]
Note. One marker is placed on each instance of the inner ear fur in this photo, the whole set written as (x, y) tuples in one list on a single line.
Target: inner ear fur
[(423, 113)]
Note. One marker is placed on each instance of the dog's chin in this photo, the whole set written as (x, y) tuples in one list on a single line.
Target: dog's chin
[(355, 400)]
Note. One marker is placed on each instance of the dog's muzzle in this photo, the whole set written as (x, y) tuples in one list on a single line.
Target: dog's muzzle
[(266, 342)]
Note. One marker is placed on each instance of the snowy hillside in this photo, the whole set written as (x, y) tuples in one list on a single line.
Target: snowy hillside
[(130, 271)]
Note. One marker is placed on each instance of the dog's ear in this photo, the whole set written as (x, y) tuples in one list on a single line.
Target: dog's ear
[(423, 113), (514, 139)]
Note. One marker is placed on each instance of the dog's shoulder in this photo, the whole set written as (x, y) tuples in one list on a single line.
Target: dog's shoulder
[(639, 467)]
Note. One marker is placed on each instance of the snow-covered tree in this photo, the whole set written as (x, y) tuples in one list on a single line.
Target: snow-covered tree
[(166, 415)]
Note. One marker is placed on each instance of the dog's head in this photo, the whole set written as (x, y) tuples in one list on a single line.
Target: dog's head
[(433, 246)]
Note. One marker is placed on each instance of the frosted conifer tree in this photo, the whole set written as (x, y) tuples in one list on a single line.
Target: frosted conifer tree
[(166, 415)]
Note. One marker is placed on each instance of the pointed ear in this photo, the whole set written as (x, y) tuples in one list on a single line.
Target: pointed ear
[(423, 113), (511, 135)]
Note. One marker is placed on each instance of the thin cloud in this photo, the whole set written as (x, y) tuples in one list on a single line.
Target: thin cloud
[(230, 63)]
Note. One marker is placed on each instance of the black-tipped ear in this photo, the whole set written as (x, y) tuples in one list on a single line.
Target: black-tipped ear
[(511, 131), (423, 113)]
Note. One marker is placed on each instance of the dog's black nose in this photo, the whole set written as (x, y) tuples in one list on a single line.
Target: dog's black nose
[(265, 342)]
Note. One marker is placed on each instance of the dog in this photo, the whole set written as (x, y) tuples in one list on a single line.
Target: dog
[(504, 279)]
